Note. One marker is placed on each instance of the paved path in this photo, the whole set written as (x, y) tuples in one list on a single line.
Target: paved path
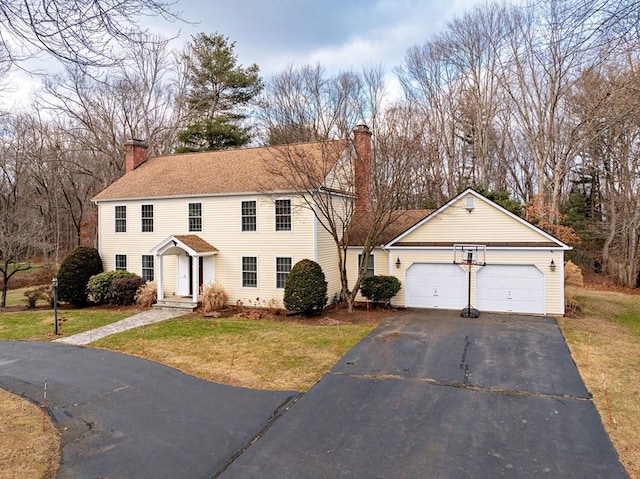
[(432, 395), (122, 417), (146, 317)]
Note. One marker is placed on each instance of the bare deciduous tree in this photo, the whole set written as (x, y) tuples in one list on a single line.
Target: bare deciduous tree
[(355, 198), (86, 33)]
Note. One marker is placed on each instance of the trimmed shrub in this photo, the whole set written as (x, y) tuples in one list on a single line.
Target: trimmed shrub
[(75, 271), (147, 294), (305, 290), (213, 297), (99, 287), (123, 290), (380, 288)]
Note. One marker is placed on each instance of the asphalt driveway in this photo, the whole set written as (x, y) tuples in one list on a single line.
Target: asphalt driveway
[(432, 395), (121, 417)]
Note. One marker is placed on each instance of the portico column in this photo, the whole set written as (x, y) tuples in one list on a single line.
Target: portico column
[(196, 276), (159, 282)]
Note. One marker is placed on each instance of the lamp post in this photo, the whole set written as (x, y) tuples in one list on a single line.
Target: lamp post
[(54, 286)]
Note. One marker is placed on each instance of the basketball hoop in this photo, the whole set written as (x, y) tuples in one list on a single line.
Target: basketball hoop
[(470, 255)]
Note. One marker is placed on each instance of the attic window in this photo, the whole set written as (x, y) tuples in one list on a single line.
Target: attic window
[(468, 204)]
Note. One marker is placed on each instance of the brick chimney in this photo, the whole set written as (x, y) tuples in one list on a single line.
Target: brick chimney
[(362, 167), (135, 153)]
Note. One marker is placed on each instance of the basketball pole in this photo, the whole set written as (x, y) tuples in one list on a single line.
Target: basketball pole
[(469, 312)]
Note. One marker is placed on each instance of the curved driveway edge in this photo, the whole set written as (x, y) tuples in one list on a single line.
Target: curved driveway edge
[(125, 417)]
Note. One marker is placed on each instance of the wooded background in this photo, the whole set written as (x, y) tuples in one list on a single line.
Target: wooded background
[(537, 106)]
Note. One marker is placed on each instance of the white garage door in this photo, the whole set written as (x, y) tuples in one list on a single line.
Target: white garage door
[(510, 288), (436, 286)]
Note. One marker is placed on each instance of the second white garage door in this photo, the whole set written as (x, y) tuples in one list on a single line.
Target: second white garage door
[(510, 288), (432, 285)]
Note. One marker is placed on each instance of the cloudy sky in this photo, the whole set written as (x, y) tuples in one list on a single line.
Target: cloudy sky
[(339, 34)]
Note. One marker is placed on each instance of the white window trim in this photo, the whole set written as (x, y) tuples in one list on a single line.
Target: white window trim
[(275, 229), (253, 288), (115, 262), (255, 200), (115, 219), (153, 219), (142, 267), (372, 257), (201, 217), (275, 267)]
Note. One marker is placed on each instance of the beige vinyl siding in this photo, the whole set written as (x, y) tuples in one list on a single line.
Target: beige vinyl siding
[(221, 227), (327, 253), (327, 258), (541, 259), (485, 224), (340, 177), (380, 265)]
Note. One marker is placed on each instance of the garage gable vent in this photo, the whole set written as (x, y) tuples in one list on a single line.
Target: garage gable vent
[(469, 203)]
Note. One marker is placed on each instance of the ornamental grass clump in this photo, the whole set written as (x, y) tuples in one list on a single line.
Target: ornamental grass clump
[(213, 297), (147, 294)]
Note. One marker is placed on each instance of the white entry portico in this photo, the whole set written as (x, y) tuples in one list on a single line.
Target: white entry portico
[(195, 264)]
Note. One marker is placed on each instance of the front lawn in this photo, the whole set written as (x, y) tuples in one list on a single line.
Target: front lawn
[(37, 324), (604, 339), (262, 354)]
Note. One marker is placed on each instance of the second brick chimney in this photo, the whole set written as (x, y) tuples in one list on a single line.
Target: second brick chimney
[(362, 167), (135, 153)]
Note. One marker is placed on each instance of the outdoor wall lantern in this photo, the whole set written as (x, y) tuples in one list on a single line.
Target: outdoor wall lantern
[(398, 264), (552, 266), (54, 287)]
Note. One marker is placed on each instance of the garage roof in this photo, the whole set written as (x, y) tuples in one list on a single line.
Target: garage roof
[(470, 217)]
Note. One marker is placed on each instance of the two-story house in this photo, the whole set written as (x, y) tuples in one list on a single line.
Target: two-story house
[(226, 216)]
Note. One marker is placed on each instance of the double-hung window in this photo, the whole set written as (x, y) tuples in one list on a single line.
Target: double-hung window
[(195, 216), (147, 218), (121, 262), (283, 267), (283, 215), (249, 216), (249, 272), (370, 265), (121, 219), (147, 267)]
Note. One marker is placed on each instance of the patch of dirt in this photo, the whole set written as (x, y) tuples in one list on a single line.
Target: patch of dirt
[(333, 316)]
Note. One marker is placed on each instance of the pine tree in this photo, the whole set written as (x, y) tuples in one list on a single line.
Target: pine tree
[(218, 91)]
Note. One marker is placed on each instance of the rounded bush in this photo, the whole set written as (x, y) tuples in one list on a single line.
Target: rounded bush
[(305, 290), (99, 287), (380, 288), (74, 273), (124, 290)]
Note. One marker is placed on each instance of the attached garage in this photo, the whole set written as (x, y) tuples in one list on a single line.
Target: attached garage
[(432, 285), (510, 288), (523, 271)]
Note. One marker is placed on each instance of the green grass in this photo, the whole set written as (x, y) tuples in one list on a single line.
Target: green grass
[(37, 325), (623, 309), (15, 297), (264, 354)]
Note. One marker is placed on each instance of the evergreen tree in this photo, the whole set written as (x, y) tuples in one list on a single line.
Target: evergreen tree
[(217, 93)]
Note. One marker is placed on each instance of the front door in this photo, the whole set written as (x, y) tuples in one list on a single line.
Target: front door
[(200, 273), (184, 277)]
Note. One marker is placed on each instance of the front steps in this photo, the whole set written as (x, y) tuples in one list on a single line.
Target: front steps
[(182, 303)]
